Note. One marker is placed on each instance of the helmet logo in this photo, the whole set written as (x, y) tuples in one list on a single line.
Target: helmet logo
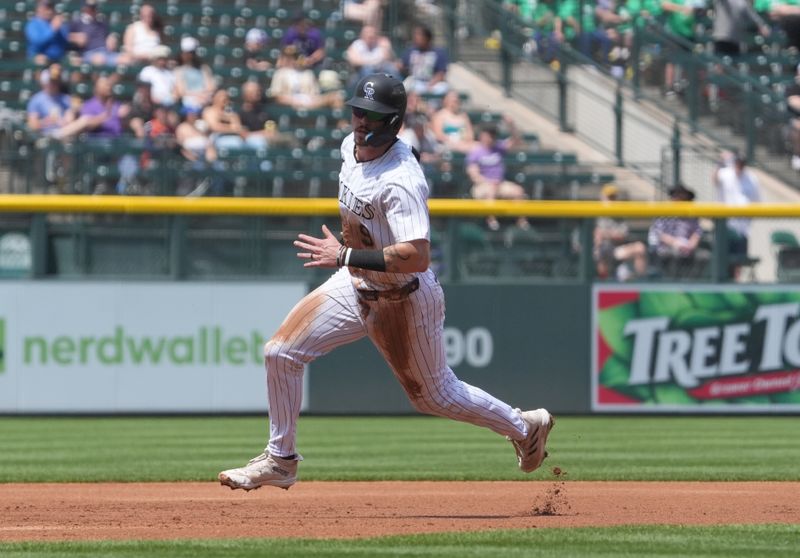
[(369, 91)]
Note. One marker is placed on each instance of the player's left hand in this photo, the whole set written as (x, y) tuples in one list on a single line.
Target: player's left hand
[(322, 252)]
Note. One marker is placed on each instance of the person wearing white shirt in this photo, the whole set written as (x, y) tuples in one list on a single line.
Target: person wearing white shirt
[(736, 185), (160, 77)]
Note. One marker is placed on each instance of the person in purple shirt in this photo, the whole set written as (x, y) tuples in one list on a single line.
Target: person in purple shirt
[(675, 240), (424, 65), (486, 169), (307, 39), (92, 38), (675, 236), (106, 113), (47, 34), (105, 118)]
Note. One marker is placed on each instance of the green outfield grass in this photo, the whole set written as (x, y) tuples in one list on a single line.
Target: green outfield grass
[(774, 541), (379, 448)]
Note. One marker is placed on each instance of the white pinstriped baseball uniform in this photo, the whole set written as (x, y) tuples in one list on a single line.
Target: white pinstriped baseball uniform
[(381, 202)]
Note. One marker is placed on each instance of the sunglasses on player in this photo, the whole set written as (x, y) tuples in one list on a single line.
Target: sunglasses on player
[(370, 115)]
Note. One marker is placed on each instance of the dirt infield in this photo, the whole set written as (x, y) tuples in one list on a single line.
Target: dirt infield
[(364, 509)]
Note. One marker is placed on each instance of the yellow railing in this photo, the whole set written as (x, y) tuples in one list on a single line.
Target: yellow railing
[(327, 206)]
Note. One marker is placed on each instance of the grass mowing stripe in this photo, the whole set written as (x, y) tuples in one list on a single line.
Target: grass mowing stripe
[(775, 541), (382, 448)]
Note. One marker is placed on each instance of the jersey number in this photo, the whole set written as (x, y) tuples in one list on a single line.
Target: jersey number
[(366, 239)]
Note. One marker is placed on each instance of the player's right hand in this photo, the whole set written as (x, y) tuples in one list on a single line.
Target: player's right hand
[(321, 252)]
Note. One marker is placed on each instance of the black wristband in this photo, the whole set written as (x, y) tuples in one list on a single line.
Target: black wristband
[(366, 259)]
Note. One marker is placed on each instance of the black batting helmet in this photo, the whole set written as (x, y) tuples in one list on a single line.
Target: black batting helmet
[(384, 94)]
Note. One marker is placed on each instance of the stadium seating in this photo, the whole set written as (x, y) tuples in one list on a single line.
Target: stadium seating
[(305, 163)]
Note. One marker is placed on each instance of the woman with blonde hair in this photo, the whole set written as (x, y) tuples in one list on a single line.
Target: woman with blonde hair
[(451, 125)]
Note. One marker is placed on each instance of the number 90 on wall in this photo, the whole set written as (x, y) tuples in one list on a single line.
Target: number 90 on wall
[(474, 348)]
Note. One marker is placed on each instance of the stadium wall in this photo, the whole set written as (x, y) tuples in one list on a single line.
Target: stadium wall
[(196, 348)]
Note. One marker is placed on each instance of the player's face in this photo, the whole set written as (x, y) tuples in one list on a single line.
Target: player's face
[(364, 122)]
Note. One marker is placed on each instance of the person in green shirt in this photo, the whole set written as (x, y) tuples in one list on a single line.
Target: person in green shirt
[(547, 42), (577, 20), (630, 14), (679, 22)]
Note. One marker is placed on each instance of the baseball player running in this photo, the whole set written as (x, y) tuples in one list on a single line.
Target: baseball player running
[(383, 289)]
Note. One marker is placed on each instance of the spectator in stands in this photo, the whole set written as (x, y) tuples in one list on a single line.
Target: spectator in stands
[(366, 12), (572, 24), (451, 125), (674, 239), (680, 22), (732, 21), (417, 133), (102, 119), (487, 170), (633, 14), (194, 82), (614, 253), (112, 113), (143, 36), (736, 185), (786, 14), (47, 34), (415, 104), (260, 129), (48, 110), (793, 104), (91, 37), (307, 40), (161, 77), (616, 24), (196, 147), (543, 18), (297, 87), (424, 65), (226, 129), (158, 134), (524, 9), (256, 56), (371, 53), (142, 109), (96, 116)]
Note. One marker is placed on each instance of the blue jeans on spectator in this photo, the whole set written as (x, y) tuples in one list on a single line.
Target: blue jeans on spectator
[(587, 42)]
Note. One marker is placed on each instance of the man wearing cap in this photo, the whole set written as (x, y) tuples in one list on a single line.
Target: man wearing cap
[(47, 34), (194, 81), (48, 109), (160, 77), (675, 239), (255, 55), (90, 35)]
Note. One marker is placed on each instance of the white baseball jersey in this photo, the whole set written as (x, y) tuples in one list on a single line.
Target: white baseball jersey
[(382, 202)]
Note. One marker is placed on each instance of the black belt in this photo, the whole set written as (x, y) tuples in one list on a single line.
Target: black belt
[(391, 294)]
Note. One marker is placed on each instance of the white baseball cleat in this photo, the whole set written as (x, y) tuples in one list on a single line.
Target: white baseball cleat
[(262, 470), (531, 451)]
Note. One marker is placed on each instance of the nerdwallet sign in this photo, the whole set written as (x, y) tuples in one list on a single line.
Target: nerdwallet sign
[(137, 347)]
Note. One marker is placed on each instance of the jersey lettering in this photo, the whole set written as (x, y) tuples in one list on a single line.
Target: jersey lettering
[(355, 204)]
